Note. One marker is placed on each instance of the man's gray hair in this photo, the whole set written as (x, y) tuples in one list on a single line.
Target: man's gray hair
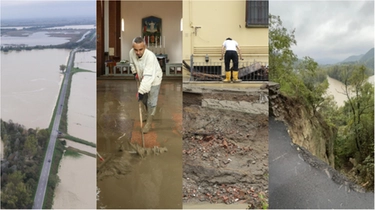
[(138, 40)]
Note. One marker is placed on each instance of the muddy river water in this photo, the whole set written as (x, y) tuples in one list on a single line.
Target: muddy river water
[(30, 83), (336, 89)]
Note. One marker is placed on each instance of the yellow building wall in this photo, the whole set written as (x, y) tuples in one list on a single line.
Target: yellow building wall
[(169, 11), (208, 23)]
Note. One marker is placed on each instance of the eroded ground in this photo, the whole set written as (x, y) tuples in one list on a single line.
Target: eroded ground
[(225, 149)]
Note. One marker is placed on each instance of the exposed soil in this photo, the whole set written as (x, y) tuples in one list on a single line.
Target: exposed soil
[(311, 136), (225, 152)]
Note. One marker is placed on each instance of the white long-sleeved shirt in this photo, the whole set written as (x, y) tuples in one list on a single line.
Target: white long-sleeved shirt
[(230, 45), (148, 69)]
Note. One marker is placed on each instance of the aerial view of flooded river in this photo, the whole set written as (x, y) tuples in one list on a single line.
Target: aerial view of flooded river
[(30, 84)]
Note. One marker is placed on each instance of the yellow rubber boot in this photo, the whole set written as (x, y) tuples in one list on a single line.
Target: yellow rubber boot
[(235, 77), (227, 77)]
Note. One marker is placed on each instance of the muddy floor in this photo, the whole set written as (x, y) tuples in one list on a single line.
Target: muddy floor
[(225, 149), (125, 179)]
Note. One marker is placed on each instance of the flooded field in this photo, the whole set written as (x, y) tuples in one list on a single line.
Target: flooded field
[(82, 112), (29, 89), (38, 38), (15, 27), (74, 27), (78, 181), (76, 192), (86, 60), (82, 106)]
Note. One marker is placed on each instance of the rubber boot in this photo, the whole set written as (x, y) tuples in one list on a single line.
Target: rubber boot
[(235, 77), (151, 113), (227, 77)]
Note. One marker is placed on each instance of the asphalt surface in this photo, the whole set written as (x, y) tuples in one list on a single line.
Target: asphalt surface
[(44, 174), (293, 183)]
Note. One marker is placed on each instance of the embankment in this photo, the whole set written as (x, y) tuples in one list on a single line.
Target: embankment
[(305, 129)]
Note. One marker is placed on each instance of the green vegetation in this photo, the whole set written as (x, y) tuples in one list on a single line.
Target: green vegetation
[(307, 83), (53, 179), (64, 115), (72, 153), (23, 158), (62, 67), (78, 140)]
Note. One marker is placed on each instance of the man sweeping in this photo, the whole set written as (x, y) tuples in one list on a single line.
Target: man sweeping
[(145, 67)]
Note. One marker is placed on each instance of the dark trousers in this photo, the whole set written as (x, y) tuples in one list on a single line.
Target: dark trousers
[(231, 55)]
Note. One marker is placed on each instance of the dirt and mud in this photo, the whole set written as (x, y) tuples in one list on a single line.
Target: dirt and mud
[(225, 148), (132, 176)]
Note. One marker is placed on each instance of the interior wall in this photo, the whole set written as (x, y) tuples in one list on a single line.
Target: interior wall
[(169, 11)]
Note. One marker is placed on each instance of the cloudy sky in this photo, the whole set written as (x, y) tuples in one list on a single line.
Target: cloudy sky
[(20, 9), (328, 31)]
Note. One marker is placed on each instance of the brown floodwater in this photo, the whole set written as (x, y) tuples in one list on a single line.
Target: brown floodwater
[(336, 89), (82, 106), (30, 84), (77, 188), (154, 181)]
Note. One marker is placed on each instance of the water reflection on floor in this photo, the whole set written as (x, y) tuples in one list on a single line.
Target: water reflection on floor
[(155, 181)]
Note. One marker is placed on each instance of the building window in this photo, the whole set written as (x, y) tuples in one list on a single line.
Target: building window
[(256, 13)]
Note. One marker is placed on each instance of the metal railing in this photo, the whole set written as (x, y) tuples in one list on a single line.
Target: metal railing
[(215, 71)]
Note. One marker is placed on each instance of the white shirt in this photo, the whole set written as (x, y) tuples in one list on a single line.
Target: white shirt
[(230, 45), (148, 69)]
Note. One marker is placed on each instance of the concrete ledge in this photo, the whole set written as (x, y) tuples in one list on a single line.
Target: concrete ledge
[(202, 87), (239, 106)]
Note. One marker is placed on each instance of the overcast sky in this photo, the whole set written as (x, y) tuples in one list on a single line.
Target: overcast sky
[(20, 9), (328, 30)]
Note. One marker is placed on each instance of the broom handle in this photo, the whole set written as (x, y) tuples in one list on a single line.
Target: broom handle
[(140, 117)]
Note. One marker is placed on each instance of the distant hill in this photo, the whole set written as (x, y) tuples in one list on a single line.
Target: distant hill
[(366, 59), (352, 58)]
